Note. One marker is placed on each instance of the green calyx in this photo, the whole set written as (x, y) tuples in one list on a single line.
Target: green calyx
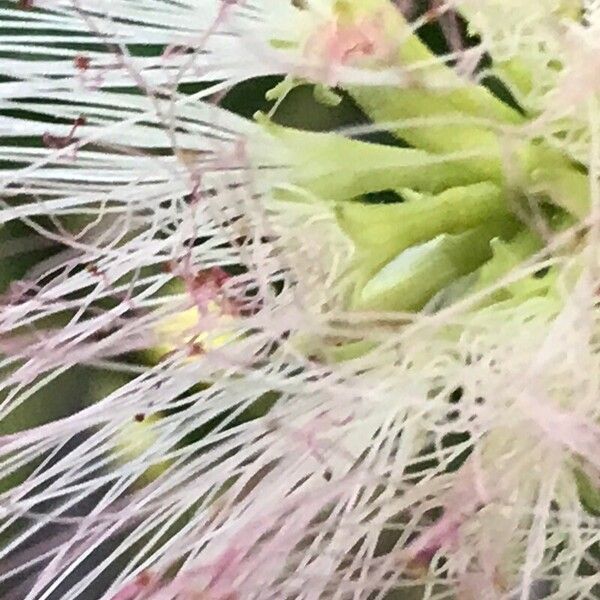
[(469, 175), (385, 230), (416, 274), (334, 167)]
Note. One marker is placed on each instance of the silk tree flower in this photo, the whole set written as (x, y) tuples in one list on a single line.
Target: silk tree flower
[(335, 398)]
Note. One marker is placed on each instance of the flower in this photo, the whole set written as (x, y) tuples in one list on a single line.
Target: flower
[(352, 400)]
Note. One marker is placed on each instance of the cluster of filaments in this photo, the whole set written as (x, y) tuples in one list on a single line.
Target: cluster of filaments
[(344, 399)]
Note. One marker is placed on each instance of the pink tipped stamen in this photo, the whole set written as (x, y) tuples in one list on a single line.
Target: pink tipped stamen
[(143, 584)]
